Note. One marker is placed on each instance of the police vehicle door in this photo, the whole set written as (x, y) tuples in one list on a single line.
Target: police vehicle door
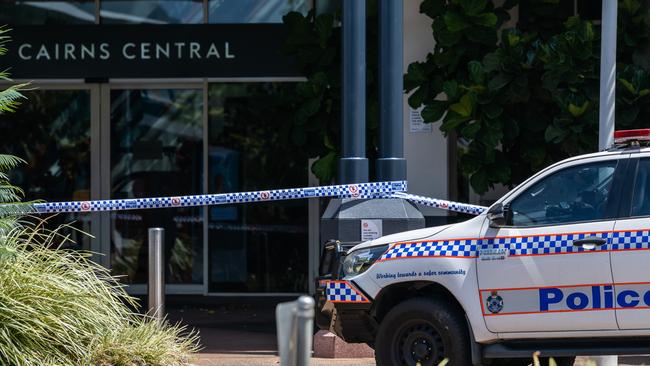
[(548, 268), (630, 248)]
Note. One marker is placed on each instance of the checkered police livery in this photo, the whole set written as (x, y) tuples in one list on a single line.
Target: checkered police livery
[(343, 291), (464, 248), (630, 240), (519, 245), (361, 190)]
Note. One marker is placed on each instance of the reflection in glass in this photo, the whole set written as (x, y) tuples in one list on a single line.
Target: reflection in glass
[(151, 12), (260, 247), (51, 131), (47, 12), (254, 11), (156, 145)]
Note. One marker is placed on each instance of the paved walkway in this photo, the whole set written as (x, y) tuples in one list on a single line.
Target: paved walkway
[(232, 336)]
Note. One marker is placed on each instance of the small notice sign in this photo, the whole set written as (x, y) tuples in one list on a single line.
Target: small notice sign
[(370, 229), (416, 123)]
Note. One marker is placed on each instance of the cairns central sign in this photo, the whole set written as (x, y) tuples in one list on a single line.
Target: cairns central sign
[(148, 51)]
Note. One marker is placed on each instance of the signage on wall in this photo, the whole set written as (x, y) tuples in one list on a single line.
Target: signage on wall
[(148, 51)]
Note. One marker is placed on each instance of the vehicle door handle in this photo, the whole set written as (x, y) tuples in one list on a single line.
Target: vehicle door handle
[(590, 242)]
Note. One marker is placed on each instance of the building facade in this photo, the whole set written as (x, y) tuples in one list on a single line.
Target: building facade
[(149, 98)]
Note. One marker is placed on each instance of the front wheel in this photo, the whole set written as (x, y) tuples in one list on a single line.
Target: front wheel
[(423, 332)]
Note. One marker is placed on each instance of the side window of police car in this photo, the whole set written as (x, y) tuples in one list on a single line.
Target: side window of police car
[(641, 195), (574, 194)]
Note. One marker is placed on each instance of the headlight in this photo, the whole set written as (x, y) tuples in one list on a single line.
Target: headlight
[(360, 260)]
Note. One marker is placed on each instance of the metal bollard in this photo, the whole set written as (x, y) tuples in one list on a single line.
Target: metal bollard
[(156, 285), (295, 323)]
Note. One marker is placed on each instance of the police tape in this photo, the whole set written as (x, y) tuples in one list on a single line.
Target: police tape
[(394, 189), (359, 190), (441, 204)]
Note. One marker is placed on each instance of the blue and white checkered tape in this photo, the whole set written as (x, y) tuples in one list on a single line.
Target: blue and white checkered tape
[(542, 244), (442, 204), (342, 291), (360, 190)]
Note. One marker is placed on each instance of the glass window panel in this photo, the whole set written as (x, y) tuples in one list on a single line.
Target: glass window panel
[(151, 12), (51, 131), (641, 200), (574, 194), (47, 12), (254, 11), (260, 247), (156, 150)]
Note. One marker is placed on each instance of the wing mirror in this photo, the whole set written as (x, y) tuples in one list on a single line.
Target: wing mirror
[(497, 215)]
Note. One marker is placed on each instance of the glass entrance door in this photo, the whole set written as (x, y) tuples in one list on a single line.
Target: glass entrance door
[(53, 131), (156, 145)]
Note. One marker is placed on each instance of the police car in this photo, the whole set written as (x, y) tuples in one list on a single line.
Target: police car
[(560, 264)]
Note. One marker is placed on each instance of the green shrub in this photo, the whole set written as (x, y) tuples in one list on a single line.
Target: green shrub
[(59, 308)]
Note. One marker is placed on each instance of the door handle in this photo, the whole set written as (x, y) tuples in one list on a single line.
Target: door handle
[(590, 242)]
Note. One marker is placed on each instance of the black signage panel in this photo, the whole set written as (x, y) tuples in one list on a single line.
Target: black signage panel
[(148, 51)]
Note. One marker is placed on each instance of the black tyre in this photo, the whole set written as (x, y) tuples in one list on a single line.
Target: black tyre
[(424, 331)]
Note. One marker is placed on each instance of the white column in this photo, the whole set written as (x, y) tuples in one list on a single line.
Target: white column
[(607, 75), (607, 100)]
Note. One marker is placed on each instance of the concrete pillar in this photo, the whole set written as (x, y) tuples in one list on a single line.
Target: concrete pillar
[(353, 166), (391, 164)]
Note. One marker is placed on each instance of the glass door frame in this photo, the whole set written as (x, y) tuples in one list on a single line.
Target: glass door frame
[(95, 159), (105, 185)]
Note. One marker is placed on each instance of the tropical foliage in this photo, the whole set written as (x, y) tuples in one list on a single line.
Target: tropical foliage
[(531, 98)]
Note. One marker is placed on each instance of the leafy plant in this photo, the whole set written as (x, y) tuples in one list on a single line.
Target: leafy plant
[(530, 99), (314, 106)]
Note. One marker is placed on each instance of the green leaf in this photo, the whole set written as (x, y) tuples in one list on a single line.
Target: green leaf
[(434, 111), (470, 130), (576, 111), (476, 72), (455, 22), (492, 110), (325, 167), (491, 62), (450, 88), (451, 122), (417, 98), (473, 7), (499, 81), (554, 134), (479, 181), (464, 107), (415, 75), (644, 92), (485, 19), (513, 39), (432, 8), (627, 86), (631, 6)]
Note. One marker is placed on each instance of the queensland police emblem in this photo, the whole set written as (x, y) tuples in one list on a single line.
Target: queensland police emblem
[(494, 303)]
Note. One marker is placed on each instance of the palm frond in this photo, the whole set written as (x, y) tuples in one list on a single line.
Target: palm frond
[(10, 98), (4, 39), (8, 162)]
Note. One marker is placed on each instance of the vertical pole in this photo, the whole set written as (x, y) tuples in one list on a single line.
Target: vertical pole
[(156, 284), (607, 100), (305, 327), (391, 164), (353, 166), (607, 75)]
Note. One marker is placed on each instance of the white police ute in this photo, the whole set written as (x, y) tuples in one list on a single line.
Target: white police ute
[(560, 264)]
